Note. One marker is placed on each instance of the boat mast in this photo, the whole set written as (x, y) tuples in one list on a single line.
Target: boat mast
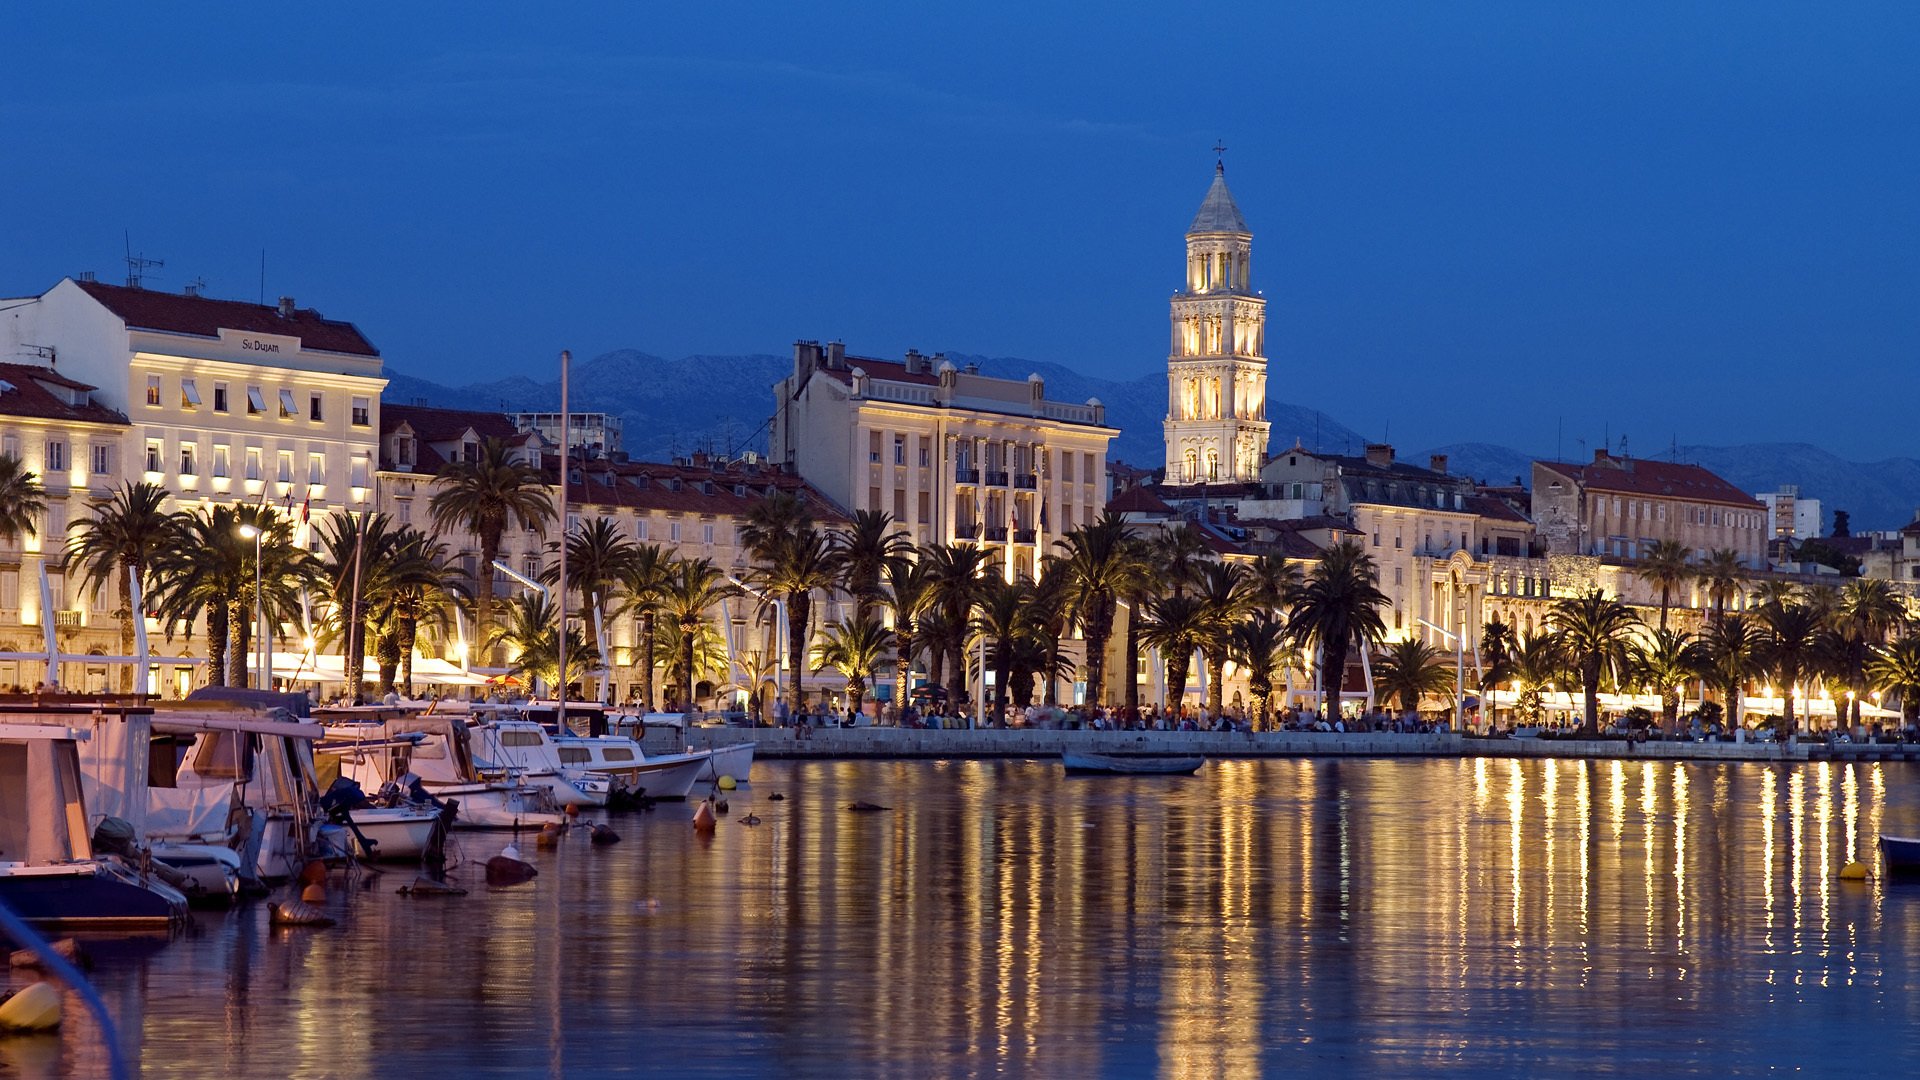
[(566, 358)]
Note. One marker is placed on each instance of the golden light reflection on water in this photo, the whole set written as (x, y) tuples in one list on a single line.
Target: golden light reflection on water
[(1383, 917)]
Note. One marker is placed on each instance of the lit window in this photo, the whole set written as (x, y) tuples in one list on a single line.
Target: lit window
[(186, 459), (102, 460), (673, 531), (219, 397), (153, 389), (706, 534), (189, 394), (359, 477), (315, 411), (403, 450), (222, 460), (403, 510), (153, 455), (285, 475), (256, 402), (253, 463), (360, 414), (288, 409), (316, 468), (56, 455)]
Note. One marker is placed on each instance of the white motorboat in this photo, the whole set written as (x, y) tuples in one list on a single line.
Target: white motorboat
[(633, 773), (238, 777), (397, 833), (436, 750), (523, 751), (49, 873), (735, 761), (209, 873)]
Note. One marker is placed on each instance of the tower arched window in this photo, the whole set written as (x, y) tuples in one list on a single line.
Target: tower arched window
[(1193, 465)]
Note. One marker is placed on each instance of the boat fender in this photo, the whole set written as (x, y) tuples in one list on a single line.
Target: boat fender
[(1854, 871), (703, 820), (776, 797), (503, 871), (298, 913), (720, 806), (603, 834), (726, 783), (34, 1008)]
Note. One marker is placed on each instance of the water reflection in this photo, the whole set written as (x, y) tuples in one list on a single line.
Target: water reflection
[(1386, 917)]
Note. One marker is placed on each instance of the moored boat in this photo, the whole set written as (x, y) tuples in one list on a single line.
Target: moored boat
[(1901, 854), (435, 751), (1086, 764)]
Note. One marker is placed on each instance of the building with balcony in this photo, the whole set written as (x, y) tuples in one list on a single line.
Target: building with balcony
[(952, 454), (594, 432), (1618, 507), (227, 401)]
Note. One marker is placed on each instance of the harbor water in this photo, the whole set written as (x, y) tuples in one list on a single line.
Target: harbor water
[(1413, 917)]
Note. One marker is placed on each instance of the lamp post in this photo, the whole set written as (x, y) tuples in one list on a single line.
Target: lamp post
[(260, 644)]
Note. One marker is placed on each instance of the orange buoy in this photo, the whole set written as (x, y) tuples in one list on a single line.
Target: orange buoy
[(703, 820), (315, 893)]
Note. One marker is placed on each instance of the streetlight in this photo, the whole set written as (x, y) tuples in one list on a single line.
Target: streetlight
[(260, 643)]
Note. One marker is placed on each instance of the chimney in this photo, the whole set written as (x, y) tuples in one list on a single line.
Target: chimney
[(836, 355), (806, 357), (286, 307), (1380, 454), (1600, 456), (1437, 462), (915, 363)]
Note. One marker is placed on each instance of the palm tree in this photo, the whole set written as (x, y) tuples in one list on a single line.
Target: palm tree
[(1735, 651), (1003, 617), (854, 647), (1533, 664), (484, 497), (358, 552), (1175, 625), (954, 581), (1865, 613), (684, 658), (22, 500), (418, 586), (906, 598), (1720, 571), (1338, 608), (1593, 629), (1099, 564), (1222, 587), (285, 573), (199, 575), (1496, 646), (1895, 669), (1176, 555), (120, 542), (1051, 614), (1666, 660), (529, 629), (1272, 583), (1411, 669), (1257, 644), (862, 551), (693, 587), (753, 669), (1793, 631), (645, 586), (599, 561), (1666, 566), (794, 560)]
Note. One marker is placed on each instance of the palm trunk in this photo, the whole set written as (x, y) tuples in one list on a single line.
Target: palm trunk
[(957, 668), (1333, 675), (1177, 665), (217, 645), (687, 631), (1133, 662), (799, 608), (1786, 719), (1099, 628), (1670, 711), (356, 650), (936, 664), (1590, 683), (1051, 696), (240, 637), (1216, 669), (902, 662), (409, 633), (126, 632), (1665, 593), (483, 601), (1002, 674), (645, 662)]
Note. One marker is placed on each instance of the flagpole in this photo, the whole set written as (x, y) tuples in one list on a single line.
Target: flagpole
[(560, 648)]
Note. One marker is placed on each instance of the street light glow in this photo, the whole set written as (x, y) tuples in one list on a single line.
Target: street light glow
[(248, 532)]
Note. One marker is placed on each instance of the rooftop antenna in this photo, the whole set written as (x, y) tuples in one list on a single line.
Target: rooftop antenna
[(137, 265), (1560, 439), (263, 277)]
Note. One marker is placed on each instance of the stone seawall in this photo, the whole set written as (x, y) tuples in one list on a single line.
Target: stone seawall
[(775, 743)]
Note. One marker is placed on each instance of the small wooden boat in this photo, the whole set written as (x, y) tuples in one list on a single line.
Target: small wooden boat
[(1901, 854), (1084, 764)]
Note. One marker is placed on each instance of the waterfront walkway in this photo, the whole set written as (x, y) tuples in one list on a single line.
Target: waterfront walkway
[(886, 742)]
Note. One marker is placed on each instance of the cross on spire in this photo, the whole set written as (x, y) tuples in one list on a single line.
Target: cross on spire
[(1220, 156)]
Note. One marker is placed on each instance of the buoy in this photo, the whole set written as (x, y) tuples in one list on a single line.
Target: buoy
[(1854, 871), (503, 870), (314, 873), (720, 806), (34, 1008), (604, 834), (776, 797), (297, 913), (750, 819), (703, 821), (549, 836), (573, 810), (726, 783), (314, 894), (510, 851)]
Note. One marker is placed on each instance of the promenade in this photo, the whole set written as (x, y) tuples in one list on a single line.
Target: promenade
[(887, 742)]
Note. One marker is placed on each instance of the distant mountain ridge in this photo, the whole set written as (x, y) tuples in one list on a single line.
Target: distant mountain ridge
[(722, 404)]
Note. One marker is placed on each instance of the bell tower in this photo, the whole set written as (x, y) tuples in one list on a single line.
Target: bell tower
[(1216, 425)]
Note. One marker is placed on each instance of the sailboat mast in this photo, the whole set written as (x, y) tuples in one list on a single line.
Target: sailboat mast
[(560, 592)]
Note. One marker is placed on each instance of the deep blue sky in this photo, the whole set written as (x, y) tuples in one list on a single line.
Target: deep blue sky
[(1470, 220)]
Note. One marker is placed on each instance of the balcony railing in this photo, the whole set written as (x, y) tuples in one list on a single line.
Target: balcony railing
[(996, 532), (966, 476), (1023, 536), (1026, 480), (996, 479), (966, 532)]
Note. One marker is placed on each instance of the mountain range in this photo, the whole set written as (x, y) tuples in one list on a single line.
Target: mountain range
[(722, 403)]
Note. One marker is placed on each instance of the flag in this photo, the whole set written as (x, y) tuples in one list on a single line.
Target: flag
[(1043, 513), (306, 508)]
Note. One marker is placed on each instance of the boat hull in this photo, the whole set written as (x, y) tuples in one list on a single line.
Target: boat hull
[(735, 761), (1081, 764), (492, 807), (397, 833), (90, 897), (670, 776), (211, 872), (1901, 855)]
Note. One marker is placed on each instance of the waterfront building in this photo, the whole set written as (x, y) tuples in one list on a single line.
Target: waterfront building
[(952, 454), (692, 507), (1617, 506), (1216, 425), (227, 401), (1791, 515), (595, 432)]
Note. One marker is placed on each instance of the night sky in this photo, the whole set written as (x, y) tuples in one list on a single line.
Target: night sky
[(1472, 221)]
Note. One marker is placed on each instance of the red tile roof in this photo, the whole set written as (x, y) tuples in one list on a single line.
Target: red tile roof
[(1488, 506), (890, 370), (203, 316), (29, 396), (721, 489), (439, 425), (1639, 476), (1138, 500)]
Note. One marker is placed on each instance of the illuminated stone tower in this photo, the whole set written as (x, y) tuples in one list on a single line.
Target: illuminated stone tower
[(1216, 426)]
